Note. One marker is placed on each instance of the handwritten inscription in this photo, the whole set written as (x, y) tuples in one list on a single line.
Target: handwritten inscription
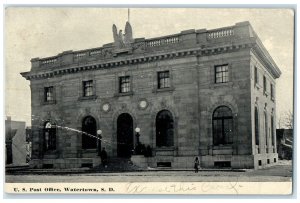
[(215, 187), (181, 188), (176, 188), (137, 188)]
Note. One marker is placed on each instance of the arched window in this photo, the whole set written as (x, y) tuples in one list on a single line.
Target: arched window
[(49, 136), (164, 129), (222, 126), (256, 123), (89, 128)]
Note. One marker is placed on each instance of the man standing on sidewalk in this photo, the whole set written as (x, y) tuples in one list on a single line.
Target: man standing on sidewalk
[(196, 165), (103, 156)]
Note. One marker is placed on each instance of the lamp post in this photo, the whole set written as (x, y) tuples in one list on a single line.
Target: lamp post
[(137, 130), (99, 132)]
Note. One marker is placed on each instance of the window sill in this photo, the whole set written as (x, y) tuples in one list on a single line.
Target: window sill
[(167, 89), (90, 150), (49, 102), (50, 152), (224, 84), (162, 148), (222, 146), (266, 93), (258, 86), (93, 97), (124, 94)]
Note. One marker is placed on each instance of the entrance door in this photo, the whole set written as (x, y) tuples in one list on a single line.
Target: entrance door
[(124, 135)]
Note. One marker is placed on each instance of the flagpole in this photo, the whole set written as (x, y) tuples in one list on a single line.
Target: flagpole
[(128, 15)]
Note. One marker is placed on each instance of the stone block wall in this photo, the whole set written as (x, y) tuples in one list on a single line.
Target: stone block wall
[(235, 94), (265, 104), (69, 110)]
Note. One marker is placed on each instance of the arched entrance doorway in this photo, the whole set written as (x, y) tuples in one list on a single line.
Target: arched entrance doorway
[(124, 135)]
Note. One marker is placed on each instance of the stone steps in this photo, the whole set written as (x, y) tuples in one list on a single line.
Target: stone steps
[(119, 164), (17, 167)]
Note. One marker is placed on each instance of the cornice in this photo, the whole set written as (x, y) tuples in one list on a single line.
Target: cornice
[(265, 59), (138, 59)]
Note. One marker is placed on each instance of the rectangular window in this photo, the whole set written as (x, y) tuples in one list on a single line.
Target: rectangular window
[(124, 85), (88, 89), (265, 84), (272, 130), (255, 75), (221, 74), (163, 79), (266, 128), (272, 91), (256, 127), (49, 94)]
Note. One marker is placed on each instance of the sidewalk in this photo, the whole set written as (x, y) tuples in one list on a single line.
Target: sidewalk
[(27, 170)]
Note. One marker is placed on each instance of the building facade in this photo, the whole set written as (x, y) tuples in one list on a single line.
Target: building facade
[(206, 93), (15, 141)]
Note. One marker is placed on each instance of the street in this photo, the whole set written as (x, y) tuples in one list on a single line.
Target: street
[(277, 173)]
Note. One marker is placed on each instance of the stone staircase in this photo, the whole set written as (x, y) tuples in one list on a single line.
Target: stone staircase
[(115, 164), (119, 164), (12, 168)]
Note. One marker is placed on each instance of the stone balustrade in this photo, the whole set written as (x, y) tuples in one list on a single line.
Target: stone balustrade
[(80, 55), (219, 33), (49, 61), (95, 52), (162, 41)]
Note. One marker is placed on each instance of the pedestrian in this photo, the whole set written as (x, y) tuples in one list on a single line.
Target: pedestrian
[(196, 164), (103, 156)]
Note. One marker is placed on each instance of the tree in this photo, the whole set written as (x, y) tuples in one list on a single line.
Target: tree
[(286, 120)]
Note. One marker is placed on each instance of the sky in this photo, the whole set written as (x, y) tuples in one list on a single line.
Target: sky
[(41, 32)]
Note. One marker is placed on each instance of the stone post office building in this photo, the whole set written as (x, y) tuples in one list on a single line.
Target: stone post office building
[(205, 93)]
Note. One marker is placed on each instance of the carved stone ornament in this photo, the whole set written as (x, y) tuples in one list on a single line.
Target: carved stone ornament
[(87, 110), (106, 107), (163, 103), (124, 106), (143, 104), (122, 40)]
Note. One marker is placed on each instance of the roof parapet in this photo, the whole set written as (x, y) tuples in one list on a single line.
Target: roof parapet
[(185, 39)]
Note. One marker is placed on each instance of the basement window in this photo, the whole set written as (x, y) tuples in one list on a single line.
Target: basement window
[(87, 165), (259, 162), (47, 166), (164, 164), (222, 164)]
